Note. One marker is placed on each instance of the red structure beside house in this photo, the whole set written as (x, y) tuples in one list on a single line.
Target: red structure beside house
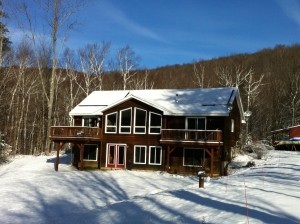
[(287, 138), (173, 130)]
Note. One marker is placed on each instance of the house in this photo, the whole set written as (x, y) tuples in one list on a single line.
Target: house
[(286, 138), (174, 130)]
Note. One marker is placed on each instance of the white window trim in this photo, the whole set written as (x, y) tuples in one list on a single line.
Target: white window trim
[(134, 126), (205, 121), (145, 147), (155, 156), (106, 126), (120, 122), (96, 153), (184, 156), (149, 129)]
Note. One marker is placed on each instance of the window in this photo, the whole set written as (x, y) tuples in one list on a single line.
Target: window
[(125, 121), (140, 154), (140, 121), (90, 121), (155, 123), (196, 123), (232, 125), (111, 123), (90, 152), (193, 157), (155, 155)]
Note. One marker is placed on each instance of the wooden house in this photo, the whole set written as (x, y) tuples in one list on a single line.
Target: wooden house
[(174, 130), (286, 138)]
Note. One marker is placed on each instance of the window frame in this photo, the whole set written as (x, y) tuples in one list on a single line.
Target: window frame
[(134, 154), (97, 150), (187, 123), (123, 126), (160, 127), (111, 126), (136, 126), (91, 121), (193, 165), (160, 157)]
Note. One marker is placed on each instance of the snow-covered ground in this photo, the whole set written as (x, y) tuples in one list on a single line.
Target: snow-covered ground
[(32, 192)]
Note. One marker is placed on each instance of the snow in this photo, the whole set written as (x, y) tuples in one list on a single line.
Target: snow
[(32, 192), (198, 101)]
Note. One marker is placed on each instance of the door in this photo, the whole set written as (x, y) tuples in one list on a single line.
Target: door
[(116, 155)]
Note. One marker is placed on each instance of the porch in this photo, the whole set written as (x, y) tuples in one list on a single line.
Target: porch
[(183, 137), (75, 133)]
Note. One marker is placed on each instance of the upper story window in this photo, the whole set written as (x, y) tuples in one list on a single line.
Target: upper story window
[(154, 123), (111, 123), (90, 121), (196, 123), (125, 121), (140, 119)]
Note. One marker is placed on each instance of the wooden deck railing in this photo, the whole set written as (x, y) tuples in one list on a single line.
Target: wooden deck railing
[(191, 135), (75, 132)]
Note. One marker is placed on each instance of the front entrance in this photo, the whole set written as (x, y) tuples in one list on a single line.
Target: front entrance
[(116, 155)]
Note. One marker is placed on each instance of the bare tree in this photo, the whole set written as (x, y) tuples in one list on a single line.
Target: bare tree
[(127, 64), (252, 87), (142, 81), (232, 77), (92, 58), (292, 102), (199, 75), (57, 15)]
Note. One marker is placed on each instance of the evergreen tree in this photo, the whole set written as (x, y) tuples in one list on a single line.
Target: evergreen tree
[(4, 40)]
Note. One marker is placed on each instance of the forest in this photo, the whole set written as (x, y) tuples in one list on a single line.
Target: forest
[(40, 84)]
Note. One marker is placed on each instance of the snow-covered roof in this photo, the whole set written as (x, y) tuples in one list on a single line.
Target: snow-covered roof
[(188, 102)]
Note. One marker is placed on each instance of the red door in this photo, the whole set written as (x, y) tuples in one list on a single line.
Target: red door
[(116, 156)]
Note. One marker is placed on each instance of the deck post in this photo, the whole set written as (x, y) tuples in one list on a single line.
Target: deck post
[(58, 148), (81, 156), (212, 162)]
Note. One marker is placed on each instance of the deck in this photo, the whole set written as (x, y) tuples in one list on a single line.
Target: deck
[(191, 137), (75, 133)]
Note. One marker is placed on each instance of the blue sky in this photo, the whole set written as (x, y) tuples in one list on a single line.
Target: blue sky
[(167, 32)]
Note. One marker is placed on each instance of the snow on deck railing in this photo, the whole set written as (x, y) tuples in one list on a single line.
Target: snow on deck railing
[(74, 131), (191, 135)]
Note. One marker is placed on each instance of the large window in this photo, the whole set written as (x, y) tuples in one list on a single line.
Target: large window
[(140, 154), (111, 123), (154, 123), (140, 121), (125, 121), (90, 152), (193, 157), (155, 155)]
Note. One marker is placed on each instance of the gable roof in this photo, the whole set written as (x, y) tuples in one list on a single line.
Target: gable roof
[(187, 102)]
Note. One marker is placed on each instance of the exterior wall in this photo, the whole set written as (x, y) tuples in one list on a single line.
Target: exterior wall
[(168, 122), (131, 139), (231, 138)]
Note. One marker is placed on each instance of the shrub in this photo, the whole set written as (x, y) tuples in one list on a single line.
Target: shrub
[(250, 164)]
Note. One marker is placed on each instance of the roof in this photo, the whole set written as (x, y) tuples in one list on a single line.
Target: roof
[(187, 102)]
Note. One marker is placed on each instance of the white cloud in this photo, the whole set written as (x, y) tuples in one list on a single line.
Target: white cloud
[(292, 9), (120, 18)]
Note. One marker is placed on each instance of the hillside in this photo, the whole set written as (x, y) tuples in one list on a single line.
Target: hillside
[(275, 103), (32, 192)]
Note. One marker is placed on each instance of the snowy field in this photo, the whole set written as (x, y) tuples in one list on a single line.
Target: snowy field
[(32, 192)]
